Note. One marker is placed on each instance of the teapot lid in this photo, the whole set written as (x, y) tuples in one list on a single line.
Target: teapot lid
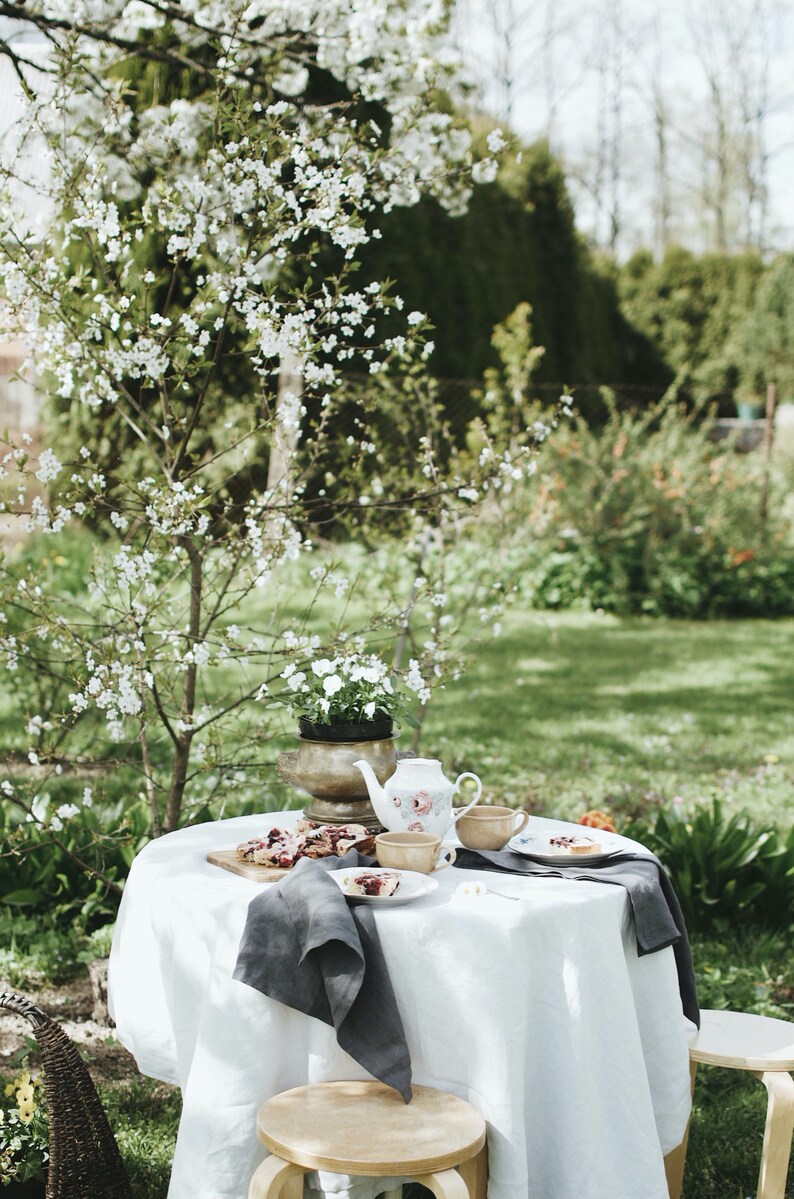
[(419, 762)]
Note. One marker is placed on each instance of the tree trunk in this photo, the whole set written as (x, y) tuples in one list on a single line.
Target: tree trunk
[(285, 427), (179, 767)]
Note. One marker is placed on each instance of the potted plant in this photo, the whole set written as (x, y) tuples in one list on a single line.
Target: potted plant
[(749, 406), (24, 1138), (351, 697), (346, 708)]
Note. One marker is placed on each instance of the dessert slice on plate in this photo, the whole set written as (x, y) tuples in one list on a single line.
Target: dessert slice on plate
[(563, 844), (370, 882)]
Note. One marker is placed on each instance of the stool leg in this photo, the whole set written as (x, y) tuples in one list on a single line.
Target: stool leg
[(777, 1134), (445, 1184), (276, 1177), (396, 1193), (474, 1173), (674, 1160)]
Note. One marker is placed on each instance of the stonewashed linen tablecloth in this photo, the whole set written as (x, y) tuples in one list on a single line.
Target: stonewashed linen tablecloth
[(539, 1012)]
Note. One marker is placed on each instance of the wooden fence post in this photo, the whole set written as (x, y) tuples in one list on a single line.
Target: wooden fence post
[(769, 434)]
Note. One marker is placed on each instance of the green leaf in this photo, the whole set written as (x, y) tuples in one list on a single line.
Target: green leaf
[(22, 898)]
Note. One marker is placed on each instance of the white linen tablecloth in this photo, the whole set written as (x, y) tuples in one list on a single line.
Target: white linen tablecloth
[(538, 1012)]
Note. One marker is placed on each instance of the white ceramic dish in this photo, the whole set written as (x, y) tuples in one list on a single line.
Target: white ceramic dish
[(412, 885), (538, 847)]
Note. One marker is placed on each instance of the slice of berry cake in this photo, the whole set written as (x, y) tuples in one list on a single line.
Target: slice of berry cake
[(283, 847), (573, 844), (370, 882)]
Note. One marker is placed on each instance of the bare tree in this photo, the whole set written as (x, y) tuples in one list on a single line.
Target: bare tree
[(752, 49), (661, 117), (717, 146), (608, 62), (736, 45), (561, 67), (513, 54), (666, 115)]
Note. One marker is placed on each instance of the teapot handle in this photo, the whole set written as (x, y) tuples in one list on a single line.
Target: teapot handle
[(467, 774)]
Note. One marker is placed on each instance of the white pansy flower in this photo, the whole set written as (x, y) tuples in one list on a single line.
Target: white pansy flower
[(331, 684)]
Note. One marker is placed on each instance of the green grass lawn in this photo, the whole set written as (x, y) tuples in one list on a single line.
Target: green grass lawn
[(571, 711)]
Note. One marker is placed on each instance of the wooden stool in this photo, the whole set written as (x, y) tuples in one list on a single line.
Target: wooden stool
[(765, 1048), (365, 1128)]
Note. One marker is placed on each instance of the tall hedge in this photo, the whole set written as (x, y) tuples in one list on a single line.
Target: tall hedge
[(688, 306), (517, 242)]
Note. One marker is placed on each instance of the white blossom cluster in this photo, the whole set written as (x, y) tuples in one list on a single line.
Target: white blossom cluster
[(298, 172), (41, 811), (116, 687)]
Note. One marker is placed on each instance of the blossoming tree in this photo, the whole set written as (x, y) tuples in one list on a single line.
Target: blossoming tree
[(184, 236)]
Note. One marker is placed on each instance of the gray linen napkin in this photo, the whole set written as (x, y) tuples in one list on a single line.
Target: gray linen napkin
[(306, 946), (656, 912)]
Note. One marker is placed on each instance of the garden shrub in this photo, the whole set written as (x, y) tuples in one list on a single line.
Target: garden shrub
[(723, 869), (72, 858), (645, 515)]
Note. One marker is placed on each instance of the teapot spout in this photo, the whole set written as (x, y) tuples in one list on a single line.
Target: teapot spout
[(377, 795)]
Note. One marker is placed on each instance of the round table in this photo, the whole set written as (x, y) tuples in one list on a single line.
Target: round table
[(537, 1010)]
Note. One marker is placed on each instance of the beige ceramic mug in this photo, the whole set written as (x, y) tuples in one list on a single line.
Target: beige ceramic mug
[(421, 852), (489, 828)]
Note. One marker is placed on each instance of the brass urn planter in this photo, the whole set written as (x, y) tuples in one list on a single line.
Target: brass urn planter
[(325, 771)]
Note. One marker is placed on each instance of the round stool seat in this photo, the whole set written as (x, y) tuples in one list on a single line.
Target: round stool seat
[(743, 1041), (365, 1128)]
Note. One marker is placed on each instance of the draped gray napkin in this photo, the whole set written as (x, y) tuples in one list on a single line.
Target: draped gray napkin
[(655, 910), (306, 946)]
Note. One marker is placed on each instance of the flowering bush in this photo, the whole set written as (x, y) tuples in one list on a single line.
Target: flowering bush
[(350, 689), (645, 515), (24, 1133)]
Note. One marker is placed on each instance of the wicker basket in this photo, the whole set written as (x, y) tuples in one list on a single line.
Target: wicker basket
[(84, 1158)]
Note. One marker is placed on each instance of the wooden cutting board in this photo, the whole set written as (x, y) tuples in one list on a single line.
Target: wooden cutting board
[(227, 859)]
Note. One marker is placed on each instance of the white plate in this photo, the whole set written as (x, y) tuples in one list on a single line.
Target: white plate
[(538, 847), (412, 885)]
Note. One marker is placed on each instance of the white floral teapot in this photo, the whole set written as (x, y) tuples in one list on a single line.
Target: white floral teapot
[(417, 798)]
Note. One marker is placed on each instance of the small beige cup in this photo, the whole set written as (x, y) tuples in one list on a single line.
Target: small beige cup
[(412, 851), (489, 828)]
